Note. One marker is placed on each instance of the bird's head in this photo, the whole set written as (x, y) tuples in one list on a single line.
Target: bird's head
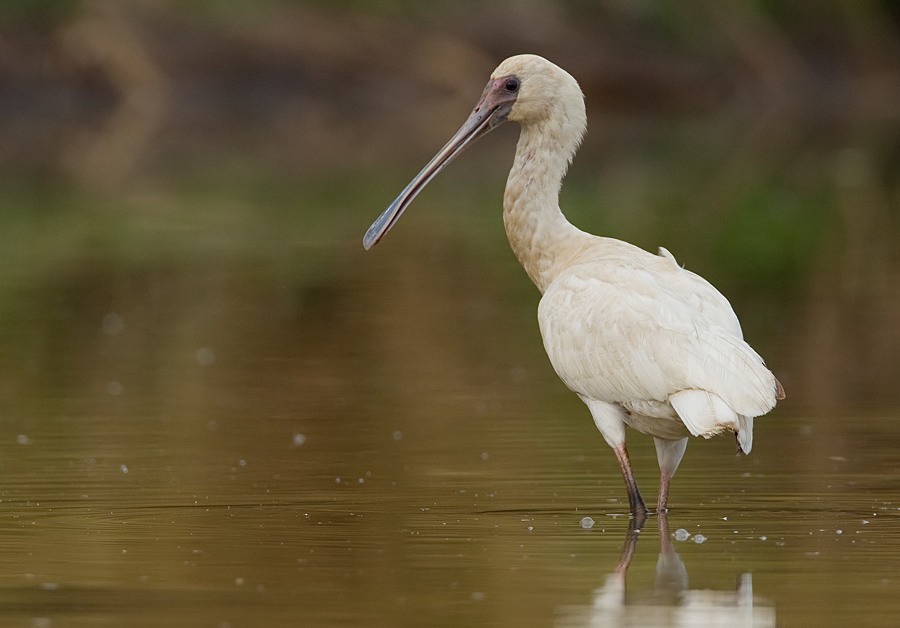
[(526, 89), (542, 89)]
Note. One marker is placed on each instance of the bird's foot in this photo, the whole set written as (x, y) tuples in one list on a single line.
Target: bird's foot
[(638, 518)]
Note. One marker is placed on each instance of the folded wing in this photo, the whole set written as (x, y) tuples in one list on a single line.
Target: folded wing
[(625, 333)]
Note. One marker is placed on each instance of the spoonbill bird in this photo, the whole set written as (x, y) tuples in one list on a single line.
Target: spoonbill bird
[(642, 341)]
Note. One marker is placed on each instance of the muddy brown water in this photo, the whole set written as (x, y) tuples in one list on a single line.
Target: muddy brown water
[(225, 445)]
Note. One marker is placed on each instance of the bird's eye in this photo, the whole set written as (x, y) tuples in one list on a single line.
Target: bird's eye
[(512, 85)]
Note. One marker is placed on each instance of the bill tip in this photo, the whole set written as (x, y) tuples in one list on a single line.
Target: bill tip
[(369, 240)]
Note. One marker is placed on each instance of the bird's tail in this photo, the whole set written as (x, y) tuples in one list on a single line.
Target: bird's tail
[(705, 414)]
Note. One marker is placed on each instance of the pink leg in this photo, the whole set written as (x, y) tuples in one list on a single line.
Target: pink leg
[(663, 499), (669, 454), (638, 508)]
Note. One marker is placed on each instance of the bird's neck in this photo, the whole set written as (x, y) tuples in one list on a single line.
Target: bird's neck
[(539, 234)]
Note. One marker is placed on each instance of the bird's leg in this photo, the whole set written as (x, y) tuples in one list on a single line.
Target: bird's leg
[(663, 498), (610, 420), (669, 454), (638, 508)]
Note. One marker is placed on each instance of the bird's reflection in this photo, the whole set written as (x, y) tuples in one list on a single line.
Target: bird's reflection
[(671, 601)]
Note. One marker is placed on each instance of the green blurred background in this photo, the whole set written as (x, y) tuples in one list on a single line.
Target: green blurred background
[(168, 163)]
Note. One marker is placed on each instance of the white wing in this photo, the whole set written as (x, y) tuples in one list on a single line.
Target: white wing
[(638, 327)]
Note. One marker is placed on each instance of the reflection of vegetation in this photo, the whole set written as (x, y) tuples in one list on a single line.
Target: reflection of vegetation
[(39, 10)]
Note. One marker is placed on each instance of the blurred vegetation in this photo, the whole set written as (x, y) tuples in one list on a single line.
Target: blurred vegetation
[(758, 141)]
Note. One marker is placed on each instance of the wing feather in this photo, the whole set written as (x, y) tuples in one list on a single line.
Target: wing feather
[(630, 332)]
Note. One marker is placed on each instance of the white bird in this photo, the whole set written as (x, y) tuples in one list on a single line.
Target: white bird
[(642, 341)]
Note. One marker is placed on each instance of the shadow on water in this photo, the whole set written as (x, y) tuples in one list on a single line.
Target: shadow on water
[(670, 601)]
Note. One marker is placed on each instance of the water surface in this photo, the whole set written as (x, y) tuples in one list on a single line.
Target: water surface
[(244, 439)]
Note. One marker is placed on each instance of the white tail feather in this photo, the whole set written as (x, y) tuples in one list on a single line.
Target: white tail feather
[(703, 413), (745, 433)]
